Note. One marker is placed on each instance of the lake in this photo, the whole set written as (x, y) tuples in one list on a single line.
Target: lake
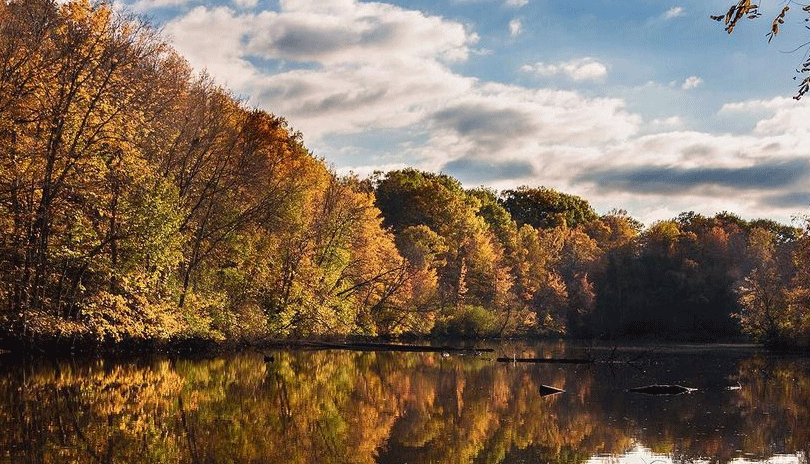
[(336, 406)]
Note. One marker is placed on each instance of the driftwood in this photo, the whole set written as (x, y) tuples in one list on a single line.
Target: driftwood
[(662, 390), (545, 390), (547, 360)]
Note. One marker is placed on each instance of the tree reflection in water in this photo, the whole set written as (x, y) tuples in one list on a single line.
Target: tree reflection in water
[(349, 407)]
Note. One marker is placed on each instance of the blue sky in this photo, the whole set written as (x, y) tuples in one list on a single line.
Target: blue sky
[(644, 105)]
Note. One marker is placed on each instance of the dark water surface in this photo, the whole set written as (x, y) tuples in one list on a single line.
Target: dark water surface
[(352, 407)]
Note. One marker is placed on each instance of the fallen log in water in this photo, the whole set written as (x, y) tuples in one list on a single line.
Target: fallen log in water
[(545, 390), (662, 390), (547, 360)]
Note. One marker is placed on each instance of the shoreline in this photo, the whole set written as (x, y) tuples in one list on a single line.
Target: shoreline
[(193, 347)]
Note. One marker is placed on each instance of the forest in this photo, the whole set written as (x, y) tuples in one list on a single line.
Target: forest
[(142, 203)]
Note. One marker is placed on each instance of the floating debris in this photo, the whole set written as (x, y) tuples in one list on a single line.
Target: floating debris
[(545, 390), (662, 390)]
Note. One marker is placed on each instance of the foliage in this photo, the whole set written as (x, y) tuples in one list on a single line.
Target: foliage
[(774, 294), (544, 208), (469, 322), (685, 278)]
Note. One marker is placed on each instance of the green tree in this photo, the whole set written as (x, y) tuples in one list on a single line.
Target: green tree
[(544, 208), (764, 292)]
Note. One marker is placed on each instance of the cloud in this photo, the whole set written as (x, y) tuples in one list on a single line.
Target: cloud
[(579, 69), (364, 64), (691, 82), (515, 27), (657, 175), (551, 131), (473, 171), (788, 200), (672, 180), (360, 32), (483, 121), (783, 115), (514, 115), (146, 5), (749, 106), (246, 3), (368, 170), (507, 3), (212, 39), (670, 122), (674, 12)]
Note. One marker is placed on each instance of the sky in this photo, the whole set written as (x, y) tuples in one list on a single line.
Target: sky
[(644, 105)]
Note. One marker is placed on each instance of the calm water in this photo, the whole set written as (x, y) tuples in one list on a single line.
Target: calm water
[(350, 407)]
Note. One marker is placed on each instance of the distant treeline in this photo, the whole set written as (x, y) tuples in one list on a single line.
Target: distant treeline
[(141, 202)]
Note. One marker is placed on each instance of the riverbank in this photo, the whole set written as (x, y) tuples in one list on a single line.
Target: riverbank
[(200, 346)]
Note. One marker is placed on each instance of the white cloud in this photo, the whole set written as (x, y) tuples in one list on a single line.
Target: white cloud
[(515, 27), (213, 40), (670, 122), (499, 121), (507, 3), (366, 64), (366, 32), (146, 5), (579, 69), (782, 115), (691, 82), (674, 12), (749, 106), (246, 3)]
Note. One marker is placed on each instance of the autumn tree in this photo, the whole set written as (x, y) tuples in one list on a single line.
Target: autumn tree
[(75, 98), (764, 292)]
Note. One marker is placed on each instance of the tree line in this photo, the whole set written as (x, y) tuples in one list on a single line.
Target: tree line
[(142, 202)]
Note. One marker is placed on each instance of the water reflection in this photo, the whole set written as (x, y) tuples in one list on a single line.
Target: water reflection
[(349, 407)]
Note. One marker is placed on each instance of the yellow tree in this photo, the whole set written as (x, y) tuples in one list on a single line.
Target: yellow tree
[(75, 96)]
